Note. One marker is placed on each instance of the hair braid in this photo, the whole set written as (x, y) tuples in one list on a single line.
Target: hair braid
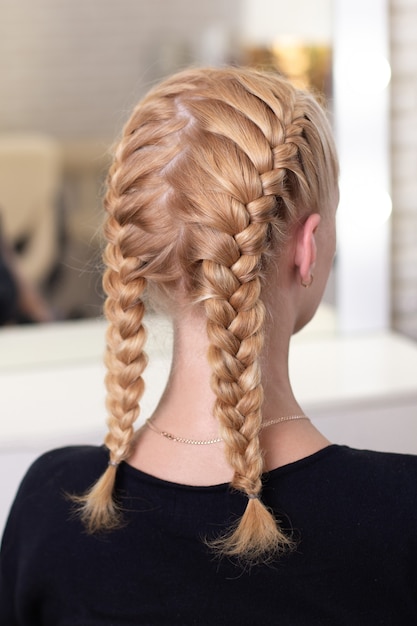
[(232, 270), (124, 283), (235, 327)]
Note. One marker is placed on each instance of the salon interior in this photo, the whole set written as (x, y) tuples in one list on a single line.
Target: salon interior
[(70, 73)]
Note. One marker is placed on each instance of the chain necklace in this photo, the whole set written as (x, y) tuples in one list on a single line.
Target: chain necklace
[(207, 442)]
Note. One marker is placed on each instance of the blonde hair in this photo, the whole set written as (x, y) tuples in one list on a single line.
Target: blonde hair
[(213, 168)]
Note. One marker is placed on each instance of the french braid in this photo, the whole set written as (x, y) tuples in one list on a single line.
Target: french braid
[(132, 260), (214, 167)]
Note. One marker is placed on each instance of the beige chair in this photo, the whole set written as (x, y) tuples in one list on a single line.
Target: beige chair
[(30, 176)]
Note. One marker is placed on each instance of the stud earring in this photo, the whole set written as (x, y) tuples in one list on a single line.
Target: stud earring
[(307, 285)]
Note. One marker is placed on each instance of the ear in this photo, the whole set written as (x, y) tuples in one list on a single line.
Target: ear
[(306, 248)]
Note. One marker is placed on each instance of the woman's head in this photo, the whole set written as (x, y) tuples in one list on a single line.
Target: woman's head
[(214, 168), (215, 165)]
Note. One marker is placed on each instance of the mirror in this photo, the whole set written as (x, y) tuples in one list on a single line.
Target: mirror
[(72, 74)]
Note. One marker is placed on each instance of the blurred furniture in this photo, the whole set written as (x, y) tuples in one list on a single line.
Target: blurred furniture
[(30, 175), (85, 163)]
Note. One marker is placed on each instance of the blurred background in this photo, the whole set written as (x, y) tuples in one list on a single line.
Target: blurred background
[(71, 70)]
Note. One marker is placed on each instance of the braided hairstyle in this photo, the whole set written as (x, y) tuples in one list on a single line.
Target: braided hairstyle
[(213, 168)]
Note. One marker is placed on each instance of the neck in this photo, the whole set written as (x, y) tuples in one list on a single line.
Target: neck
[(186, 404), (185, 410)]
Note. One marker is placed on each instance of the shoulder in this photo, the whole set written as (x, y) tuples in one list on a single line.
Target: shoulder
[(390, 477), (87, 456), (69, 469), (342, 462), (380, 463), (384, 477), (371, 463), (43, 503)]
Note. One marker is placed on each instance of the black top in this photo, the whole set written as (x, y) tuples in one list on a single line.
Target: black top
[(355, 513)]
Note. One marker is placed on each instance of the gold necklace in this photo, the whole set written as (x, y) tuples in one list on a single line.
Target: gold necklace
[(207, 442)]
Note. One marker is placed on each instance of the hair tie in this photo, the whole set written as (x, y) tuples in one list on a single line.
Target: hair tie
[(252, 496), (113, 463)]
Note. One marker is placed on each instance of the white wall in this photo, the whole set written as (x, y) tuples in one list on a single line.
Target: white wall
[(74, 67)]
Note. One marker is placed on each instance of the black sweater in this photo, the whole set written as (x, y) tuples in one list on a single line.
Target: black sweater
[(354, 513)]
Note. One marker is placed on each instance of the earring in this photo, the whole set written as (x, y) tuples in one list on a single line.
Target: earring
[(307, 285)]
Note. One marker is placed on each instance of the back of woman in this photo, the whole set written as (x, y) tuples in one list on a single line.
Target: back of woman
[(227, 505)]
